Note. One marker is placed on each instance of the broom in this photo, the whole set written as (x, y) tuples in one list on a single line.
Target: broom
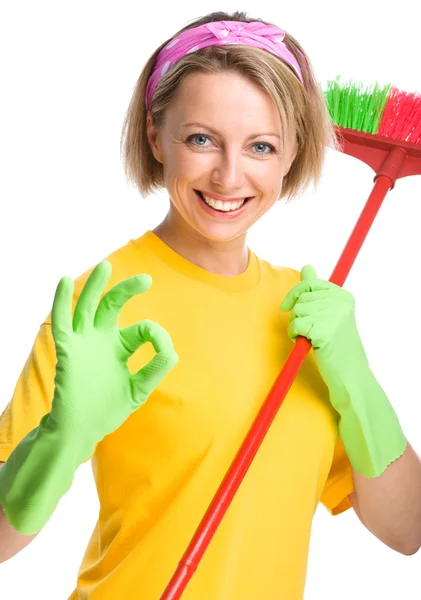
[(381, 127)]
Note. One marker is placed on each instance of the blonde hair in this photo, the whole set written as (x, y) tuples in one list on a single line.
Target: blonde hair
[(301, 108)]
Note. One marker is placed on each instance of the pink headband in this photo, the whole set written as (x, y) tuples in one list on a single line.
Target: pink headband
[(267, 37)]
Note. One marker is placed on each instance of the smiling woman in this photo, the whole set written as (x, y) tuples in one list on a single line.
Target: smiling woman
[(199, 120), (227, 117)]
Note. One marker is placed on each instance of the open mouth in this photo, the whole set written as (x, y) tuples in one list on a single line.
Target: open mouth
[(219, 211)]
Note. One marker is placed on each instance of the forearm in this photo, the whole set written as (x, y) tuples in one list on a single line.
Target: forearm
[(386, 470), (391, 503), (11, 541)]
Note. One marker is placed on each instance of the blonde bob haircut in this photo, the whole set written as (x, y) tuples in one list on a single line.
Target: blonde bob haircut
[(301, 108)]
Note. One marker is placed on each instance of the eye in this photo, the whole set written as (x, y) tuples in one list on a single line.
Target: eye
[(272, 149), (196, 135)]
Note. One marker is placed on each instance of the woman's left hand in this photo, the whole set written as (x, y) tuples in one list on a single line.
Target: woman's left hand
[(324, 313)]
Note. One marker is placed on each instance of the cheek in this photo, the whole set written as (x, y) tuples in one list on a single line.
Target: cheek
[(270, 178), (183, 164), (268, 171)]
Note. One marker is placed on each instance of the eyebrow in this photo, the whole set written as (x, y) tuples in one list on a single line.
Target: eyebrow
[(250, 137)]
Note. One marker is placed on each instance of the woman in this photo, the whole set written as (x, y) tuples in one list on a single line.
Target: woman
[(228, 117)]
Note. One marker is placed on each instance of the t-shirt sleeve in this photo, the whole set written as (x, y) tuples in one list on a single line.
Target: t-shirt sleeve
[(340, 482), (33, 394)]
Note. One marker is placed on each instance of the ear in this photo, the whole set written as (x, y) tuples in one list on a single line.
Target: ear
[(152, 133)]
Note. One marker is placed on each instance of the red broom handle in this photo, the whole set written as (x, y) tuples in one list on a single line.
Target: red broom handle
[(239, 467)]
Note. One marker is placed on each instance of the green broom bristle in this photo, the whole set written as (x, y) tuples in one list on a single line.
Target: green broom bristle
[(353, 107)]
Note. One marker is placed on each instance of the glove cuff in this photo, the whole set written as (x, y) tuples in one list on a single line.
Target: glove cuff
[(368, 425), (36, 475)]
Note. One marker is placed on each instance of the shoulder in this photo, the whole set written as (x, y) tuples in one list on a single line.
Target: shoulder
[(126, 261), (287, 275)]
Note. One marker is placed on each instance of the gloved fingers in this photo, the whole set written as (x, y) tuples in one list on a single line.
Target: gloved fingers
[(300, 326), (307, 286), (134, 336), (306, 309), (113, 301), (61, 314), (89, 297), (151, 375), (308, 272), (317, 296)]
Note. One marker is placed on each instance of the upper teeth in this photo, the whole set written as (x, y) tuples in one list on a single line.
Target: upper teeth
[(219, 205)]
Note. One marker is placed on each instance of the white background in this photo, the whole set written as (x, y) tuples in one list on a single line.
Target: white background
[(68, 70)]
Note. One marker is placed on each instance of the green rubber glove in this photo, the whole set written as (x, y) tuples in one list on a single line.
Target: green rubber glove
[(94, 393), (369, 428)]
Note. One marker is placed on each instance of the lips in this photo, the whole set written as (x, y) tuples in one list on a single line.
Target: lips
[(200, 193), (225, 215), (222, 198)]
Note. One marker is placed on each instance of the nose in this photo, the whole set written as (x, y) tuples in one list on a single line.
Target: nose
[(228, 172)]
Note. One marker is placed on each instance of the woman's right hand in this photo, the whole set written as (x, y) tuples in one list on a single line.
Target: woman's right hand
[(94, 389)]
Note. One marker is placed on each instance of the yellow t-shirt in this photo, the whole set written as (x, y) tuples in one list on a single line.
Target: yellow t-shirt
[(157, 474)]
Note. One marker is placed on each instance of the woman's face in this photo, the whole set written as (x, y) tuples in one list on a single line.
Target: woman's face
[(221, 136)]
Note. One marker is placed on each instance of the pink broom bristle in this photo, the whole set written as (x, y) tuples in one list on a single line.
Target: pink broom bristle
[(401, 118)]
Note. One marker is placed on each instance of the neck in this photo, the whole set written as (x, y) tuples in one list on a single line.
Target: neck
[(228, 258)]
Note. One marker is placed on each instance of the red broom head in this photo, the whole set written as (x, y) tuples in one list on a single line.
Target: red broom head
[(379, 125)]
